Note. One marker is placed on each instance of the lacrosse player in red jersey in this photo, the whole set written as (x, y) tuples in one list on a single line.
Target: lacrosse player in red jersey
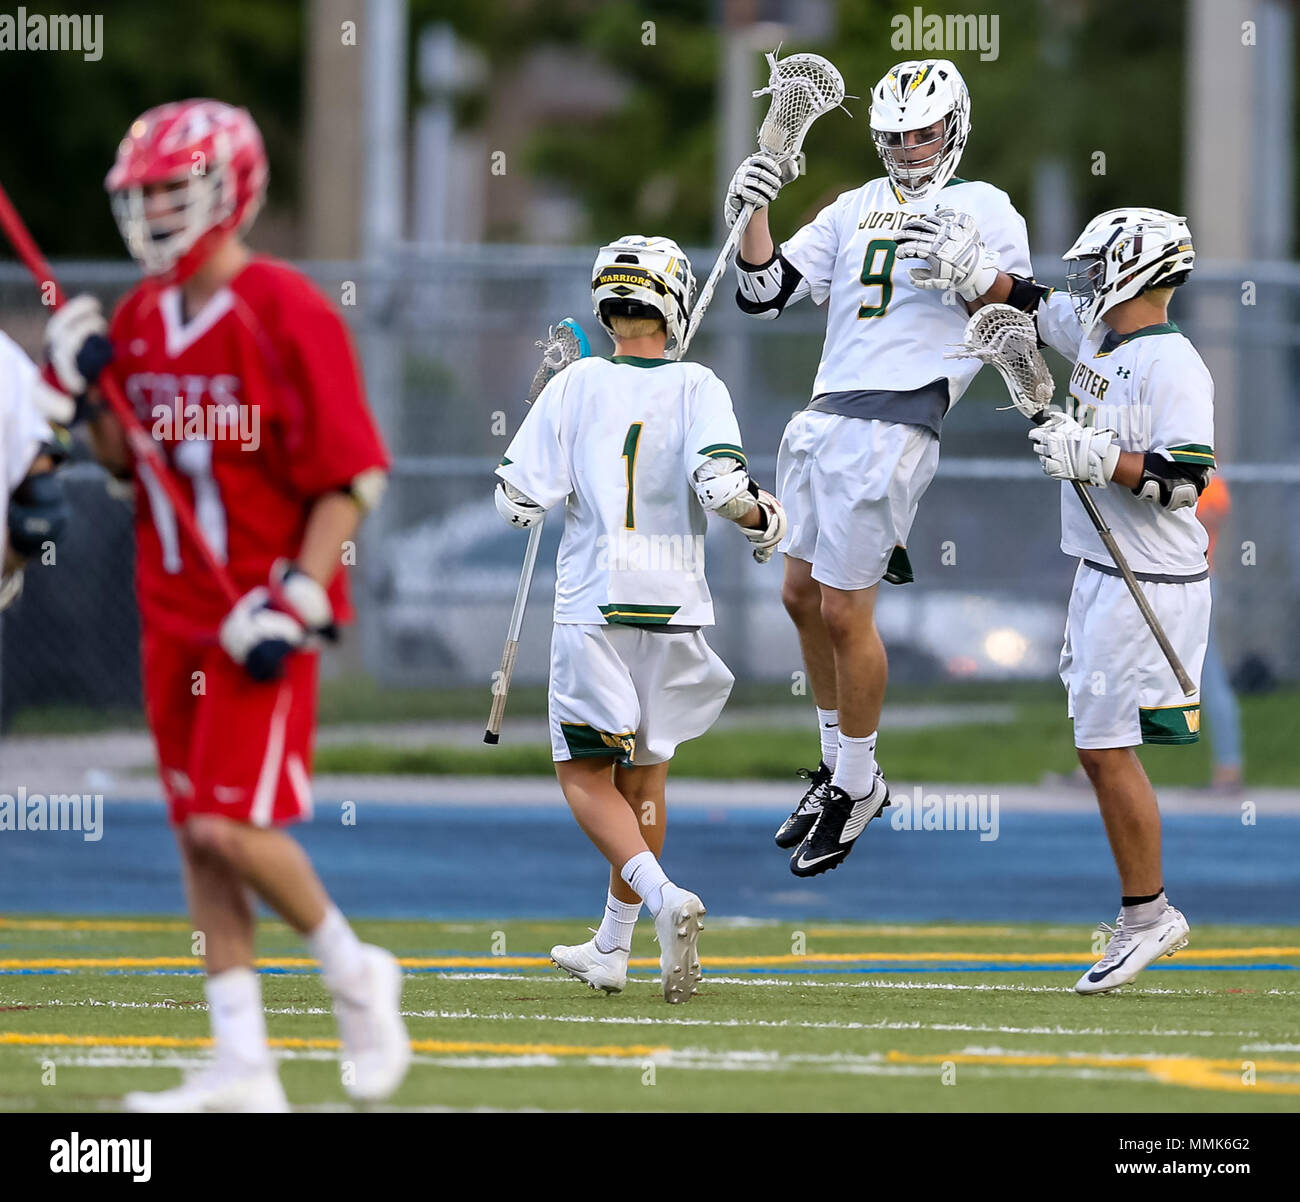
[(246, 376)]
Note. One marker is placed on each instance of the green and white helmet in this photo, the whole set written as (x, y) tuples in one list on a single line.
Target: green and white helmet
[(644, 277), (911, 96), (1122, 253)]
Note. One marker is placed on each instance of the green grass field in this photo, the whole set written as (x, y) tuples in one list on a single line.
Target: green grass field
[(862, 1020)]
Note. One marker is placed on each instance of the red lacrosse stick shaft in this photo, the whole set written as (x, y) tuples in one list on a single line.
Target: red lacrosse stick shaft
[(144, 446)]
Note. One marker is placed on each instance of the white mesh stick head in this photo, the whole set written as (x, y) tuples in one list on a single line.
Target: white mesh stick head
[(802, 87), (1007, 338)]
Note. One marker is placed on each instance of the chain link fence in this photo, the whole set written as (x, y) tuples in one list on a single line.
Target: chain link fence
[(447, 341)]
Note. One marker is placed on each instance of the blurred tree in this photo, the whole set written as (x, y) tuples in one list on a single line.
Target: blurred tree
[(66, 115)]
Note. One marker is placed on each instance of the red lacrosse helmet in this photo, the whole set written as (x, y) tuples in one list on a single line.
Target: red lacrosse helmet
[(210, 157)]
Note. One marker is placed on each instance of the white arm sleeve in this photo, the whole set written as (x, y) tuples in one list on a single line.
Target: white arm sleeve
[(812, 251), (713, 432), (1059, 325), (536, 462), (1178, 392), (23, 427)]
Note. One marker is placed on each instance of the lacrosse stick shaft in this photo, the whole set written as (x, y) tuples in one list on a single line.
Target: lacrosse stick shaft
[(719, 266), (1144, 606), (144, 447), (507, 670)]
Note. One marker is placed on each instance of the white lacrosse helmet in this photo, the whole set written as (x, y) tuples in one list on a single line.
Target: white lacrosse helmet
[(914, 95), (643, 277), (1123, 252)]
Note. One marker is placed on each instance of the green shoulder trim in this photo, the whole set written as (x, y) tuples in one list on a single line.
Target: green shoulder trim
[(584, 741), (899, 569), (956, 179), (506, 461), (1193, 452), (723, 450), (1164, 327), (638, 361), (624, 614), (1170, 724)]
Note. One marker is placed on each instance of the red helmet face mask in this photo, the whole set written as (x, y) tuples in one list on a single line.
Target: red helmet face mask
[(185, 174)]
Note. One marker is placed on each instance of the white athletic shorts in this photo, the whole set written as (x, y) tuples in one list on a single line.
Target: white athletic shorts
[(850, 488), (1121, 688), (632, 691)]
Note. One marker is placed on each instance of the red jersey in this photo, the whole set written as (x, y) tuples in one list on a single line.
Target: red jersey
[(258, 404)]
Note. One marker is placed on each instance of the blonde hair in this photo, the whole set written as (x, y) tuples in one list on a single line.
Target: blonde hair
[(636, 327)]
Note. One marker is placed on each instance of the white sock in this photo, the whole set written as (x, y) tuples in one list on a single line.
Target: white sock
[(1144, 914), (238, 1021), (616, 927), (828, 727), (338, 949), (646, 879), (856, 768)]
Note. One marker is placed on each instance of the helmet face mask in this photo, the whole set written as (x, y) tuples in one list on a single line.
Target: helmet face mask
[(161, 222), (644, 277), (1123, 253), (912, 97)]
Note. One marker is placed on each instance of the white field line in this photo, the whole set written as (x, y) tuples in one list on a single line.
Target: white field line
[(693, 1059), (728, 1023)]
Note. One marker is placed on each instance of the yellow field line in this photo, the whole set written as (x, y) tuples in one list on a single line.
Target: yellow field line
[(89, 924), (1195, 955), (1195, 1072), (35, 1039)]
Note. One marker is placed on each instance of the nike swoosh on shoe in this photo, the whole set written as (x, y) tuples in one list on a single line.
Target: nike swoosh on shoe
[(802, 863), (1101, 976)]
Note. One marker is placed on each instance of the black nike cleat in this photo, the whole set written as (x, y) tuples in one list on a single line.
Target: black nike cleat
[(794, 830), (842, 820)]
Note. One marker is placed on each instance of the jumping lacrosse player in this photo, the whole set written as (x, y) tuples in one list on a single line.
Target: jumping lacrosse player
[(1139, 428), (853, 465), (36, 509), (247, 376), (640, 449)]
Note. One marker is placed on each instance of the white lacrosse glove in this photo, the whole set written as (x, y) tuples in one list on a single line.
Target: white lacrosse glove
[(516, 508), (955, 256), (1069, 451), (302, 597), (765, 537), (757, 181), (259, 637), (76, 343)]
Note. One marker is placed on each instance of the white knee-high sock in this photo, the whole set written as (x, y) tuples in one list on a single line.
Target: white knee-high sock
[(828, 728), (237, 1018), (616, 927), (856, 768), (336, 946), (646, 879)]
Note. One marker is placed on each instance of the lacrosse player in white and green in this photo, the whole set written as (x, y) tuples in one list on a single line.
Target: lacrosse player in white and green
[(1138, 428), (853, 465), (640, 449)]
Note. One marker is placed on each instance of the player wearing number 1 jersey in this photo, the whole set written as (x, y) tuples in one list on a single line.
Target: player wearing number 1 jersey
[(639, 449), (245, 376), (854, 464)]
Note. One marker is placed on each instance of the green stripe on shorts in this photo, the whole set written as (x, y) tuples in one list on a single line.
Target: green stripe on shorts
[(583, 740), (638, 615), (1170, 723)]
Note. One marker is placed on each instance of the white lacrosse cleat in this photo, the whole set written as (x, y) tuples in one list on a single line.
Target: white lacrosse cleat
[(678, 926), (376, 1049), (221, 1087), (1130, 951), (586, 962)]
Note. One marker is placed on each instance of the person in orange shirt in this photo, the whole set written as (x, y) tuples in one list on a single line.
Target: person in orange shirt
[(1218, 701)]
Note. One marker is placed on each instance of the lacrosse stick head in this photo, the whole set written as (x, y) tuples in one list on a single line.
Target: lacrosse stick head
[(564, 343), (802, 87), (1007, 338)]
